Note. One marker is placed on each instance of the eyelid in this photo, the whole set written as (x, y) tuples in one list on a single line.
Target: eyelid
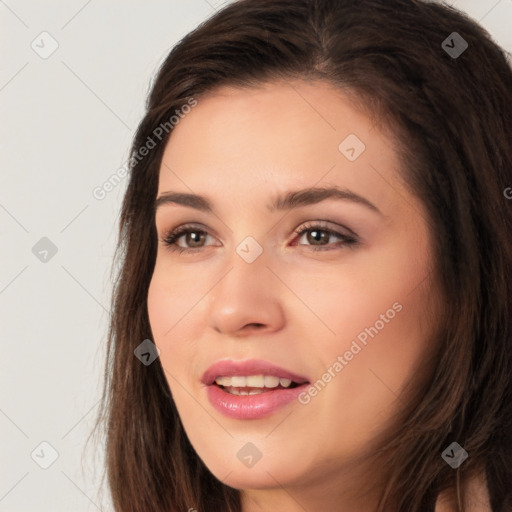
[(326, 225), (347, 240), (179, 231)]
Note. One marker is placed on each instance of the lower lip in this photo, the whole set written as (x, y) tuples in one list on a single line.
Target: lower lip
[(246, 407)]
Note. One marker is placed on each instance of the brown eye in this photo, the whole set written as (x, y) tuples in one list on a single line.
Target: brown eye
[(318, 236), (185, 239), (194, 238)]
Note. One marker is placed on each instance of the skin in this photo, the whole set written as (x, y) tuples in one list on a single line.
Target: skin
[(240, 148)]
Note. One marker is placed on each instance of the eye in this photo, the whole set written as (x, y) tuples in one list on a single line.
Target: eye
[(318, 236), (189, 239), (191, 235)]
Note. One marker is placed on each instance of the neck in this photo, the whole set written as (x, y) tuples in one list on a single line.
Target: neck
[(344, 490)]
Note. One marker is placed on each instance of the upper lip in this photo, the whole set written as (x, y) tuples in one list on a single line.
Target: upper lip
[(229, 368)]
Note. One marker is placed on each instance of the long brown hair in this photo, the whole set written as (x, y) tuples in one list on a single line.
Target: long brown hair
[(452, 117)]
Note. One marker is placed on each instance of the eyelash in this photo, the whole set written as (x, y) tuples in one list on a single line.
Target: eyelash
[(171, 238)]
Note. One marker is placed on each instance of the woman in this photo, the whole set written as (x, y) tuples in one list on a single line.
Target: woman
[(313, 309)]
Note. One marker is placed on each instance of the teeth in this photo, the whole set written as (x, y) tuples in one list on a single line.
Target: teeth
[(223, 381), (235, 391), (253, 381), (238, 382), (271, 381)]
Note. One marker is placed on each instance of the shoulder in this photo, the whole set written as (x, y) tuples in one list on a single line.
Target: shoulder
[(475, 500)]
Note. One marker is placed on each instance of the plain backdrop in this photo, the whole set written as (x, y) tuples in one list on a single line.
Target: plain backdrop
[(74, 77)]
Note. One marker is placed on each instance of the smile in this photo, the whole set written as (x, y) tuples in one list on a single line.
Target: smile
[(251, 389)]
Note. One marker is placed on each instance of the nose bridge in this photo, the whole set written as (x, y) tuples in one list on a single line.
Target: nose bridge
[(247, 293), (248, 275)]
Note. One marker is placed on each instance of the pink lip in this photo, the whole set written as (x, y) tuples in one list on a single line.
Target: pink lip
[(230, 368), (250, 406)]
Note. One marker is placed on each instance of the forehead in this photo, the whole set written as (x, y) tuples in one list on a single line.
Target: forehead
[(279, 135), (281, 116)]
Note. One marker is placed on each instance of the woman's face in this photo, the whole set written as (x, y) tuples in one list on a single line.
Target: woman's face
[(342, 306)]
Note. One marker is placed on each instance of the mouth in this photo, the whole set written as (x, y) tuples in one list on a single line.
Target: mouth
[(251, 389), (253, 384)]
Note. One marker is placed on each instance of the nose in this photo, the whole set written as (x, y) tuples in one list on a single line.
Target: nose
[(247, 299)]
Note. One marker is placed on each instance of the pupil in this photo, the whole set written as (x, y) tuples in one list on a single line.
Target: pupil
[(317, 235), (194, 237)]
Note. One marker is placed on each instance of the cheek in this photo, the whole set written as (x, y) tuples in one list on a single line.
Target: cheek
[(377, 312), (377, 297), (158, 308), (172, 309), (175, 310), (377, 288)]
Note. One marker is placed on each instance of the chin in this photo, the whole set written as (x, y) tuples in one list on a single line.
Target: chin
[(254, 479), (263, 475)]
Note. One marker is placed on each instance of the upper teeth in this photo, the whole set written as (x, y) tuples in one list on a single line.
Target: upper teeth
[(253, 381)]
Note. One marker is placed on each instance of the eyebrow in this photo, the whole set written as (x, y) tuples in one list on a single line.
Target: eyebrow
[(287, 201)]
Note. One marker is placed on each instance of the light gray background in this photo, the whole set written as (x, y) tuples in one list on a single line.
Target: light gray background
[(67, 124)]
